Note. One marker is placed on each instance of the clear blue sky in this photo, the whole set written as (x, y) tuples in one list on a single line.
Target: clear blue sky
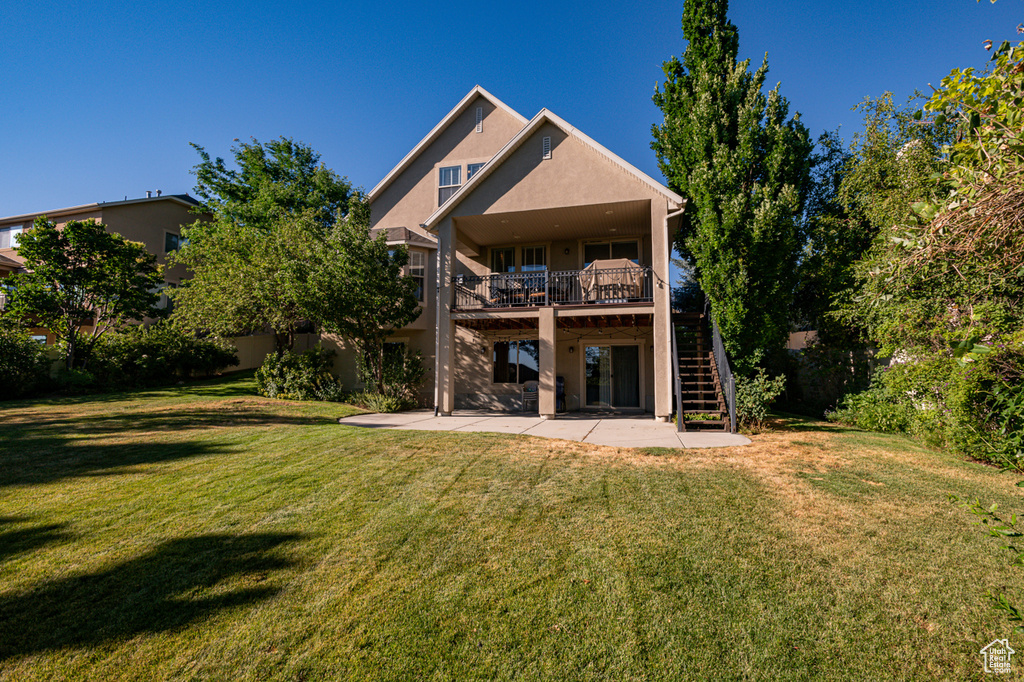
[(101, 98)]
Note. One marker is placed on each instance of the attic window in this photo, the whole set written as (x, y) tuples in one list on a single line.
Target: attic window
[(479, 119), (546, 148)]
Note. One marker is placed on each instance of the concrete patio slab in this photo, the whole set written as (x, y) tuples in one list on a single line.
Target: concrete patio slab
[(443, 423), (616, 430), (503, 424), (385, 421), (566, 429)]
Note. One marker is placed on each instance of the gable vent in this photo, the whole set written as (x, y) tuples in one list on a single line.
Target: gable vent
[(479, 119), (546, 148)]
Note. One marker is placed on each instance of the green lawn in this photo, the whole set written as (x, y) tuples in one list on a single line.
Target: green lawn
[(202, 532)]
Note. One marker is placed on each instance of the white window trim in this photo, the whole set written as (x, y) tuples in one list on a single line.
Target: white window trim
[(409, 266), (440, 171)]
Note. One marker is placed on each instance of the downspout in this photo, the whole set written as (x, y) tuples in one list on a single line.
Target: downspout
[(437, 328)]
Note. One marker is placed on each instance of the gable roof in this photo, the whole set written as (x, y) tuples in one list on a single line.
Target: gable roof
[(542, 117), (183, 199), (8, 263), (440, 128), (403, 235)]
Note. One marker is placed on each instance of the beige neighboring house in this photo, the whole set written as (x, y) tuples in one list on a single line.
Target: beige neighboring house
[(544, 258), (155, 221)]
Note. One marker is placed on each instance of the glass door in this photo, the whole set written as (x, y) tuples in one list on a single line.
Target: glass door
[(612, 376)]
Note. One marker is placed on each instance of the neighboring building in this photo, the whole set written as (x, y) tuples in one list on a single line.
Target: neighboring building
[(554, 263), (154, 221)]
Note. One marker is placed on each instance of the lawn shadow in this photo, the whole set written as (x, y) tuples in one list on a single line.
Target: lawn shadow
[(55, 460), (173, 585), (231, 385), (787, 421), (54, 448), (16, 538)]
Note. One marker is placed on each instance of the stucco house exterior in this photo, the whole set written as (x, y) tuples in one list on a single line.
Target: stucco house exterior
[(544, 258), (155, 221)]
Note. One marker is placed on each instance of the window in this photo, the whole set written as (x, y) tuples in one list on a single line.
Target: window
[(472, 168), (605, 250), (171, 242), (166, 302), (546, 148), (418, 271), (516, 361), (533, 259), (479, 122), (39, 338), (9, 236), (503, 260), (448, 181)]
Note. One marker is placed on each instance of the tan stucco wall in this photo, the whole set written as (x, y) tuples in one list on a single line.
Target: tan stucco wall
[(148, 223), (575, 175), (345, 360), (474, 370), (411, 197)]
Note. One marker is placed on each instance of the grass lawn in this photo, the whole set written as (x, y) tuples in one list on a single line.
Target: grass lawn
[(202, 532)]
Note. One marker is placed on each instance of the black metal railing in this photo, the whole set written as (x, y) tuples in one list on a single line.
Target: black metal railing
[(725, 375), (571, 287), (680, 426)]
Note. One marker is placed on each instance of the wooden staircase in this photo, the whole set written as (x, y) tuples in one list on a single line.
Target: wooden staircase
[(703, 402)]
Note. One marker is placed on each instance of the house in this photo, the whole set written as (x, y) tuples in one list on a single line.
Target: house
[(154, 220), (544, 258)]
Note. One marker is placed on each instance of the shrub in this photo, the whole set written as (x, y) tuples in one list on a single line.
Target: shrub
[(299, 376), (159, 354), (403, 373), (24, 364), (75, 381), (378, 402), (874, 410), (754, 395)]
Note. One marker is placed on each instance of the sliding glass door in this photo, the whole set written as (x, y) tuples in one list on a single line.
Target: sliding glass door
[(612, 376)]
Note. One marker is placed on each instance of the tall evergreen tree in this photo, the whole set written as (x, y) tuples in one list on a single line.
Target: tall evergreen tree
[(744, 167)]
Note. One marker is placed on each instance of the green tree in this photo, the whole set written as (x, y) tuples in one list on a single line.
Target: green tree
[(279, 197), (836, 237), (353, 286), (744, 167), (82, 276)]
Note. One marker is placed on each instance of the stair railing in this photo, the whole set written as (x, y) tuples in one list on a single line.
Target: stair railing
[(724, 373), (679, 381)]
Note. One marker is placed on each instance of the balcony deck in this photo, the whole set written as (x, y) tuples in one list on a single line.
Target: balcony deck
[(598, 286)]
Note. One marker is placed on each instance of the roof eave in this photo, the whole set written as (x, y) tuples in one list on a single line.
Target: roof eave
[(436, 131), (545, 115)]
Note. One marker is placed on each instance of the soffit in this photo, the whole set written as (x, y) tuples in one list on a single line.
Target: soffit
[(617, 219)]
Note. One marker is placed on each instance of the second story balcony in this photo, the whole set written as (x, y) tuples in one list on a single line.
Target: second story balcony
[(614, 281)]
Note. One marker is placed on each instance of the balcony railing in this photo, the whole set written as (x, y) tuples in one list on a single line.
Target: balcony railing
[(571, 287)]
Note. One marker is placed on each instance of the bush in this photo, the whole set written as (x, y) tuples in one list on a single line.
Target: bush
[(754, 395), (160, 354), (403, 373), (75, 381), (378, 402), (299, 376), (24, 364), (874, 410)]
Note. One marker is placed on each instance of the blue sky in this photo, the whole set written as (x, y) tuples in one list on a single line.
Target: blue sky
[(100, 99)]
